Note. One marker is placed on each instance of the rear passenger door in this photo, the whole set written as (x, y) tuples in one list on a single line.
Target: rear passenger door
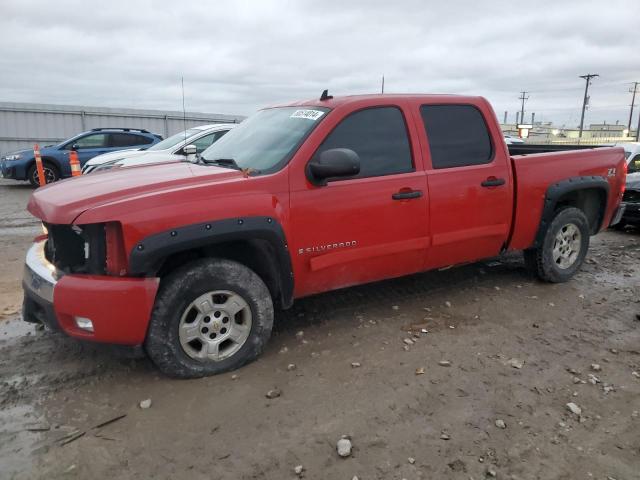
[(370, 226), (470, 187), (120, 141)]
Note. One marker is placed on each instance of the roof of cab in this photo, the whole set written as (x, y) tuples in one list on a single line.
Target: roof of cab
[(214, 125), (334, 102)]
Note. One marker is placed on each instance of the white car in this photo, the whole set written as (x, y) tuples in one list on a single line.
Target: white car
[(181, 146), (632, 154), (509, 140)]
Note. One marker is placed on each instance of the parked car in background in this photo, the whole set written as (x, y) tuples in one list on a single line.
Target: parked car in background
[(631, 201), (21, 165), (171, 149), (632, 154), (631, 197), (509, 140)]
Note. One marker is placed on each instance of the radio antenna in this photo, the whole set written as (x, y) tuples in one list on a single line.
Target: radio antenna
[(184, 115)]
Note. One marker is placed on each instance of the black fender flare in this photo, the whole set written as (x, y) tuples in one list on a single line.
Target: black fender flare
[(559, 189), (147, 255)]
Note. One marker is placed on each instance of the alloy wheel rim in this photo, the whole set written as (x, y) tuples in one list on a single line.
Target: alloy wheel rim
[(566, 246), (215, 325), (49, 175)]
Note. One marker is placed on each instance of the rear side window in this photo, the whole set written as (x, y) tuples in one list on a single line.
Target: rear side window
[(128, 140), (458, 135), (379, 137)]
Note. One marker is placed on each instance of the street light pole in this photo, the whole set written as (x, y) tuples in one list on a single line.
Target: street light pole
[(588, 78)]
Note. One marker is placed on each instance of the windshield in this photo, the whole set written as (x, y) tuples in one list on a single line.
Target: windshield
[(266, 140), (174, 140)]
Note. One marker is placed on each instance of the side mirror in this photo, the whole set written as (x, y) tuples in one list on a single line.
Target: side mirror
[(336, 162), (190, 149), (75, 147)]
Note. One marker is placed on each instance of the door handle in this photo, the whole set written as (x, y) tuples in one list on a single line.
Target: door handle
[(493, 182), (407, 195)]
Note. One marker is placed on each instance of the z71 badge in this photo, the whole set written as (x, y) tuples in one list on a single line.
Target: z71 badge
[(611, 172)]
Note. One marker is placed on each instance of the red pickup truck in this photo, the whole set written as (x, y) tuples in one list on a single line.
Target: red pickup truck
[(189, 260)]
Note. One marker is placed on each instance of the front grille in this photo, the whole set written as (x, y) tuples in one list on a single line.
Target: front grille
[(631, 196), (77, 248)]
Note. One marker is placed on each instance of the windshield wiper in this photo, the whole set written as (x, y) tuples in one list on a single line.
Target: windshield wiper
[(223, 162)]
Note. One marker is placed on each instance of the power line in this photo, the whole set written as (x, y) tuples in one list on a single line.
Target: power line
[(587, 78), (633, 101)]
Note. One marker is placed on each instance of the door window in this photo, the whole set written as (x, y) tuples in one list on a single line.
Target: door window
[(379, 137), (128, 140), (634, 165), (95, 140), (205, 142), (457, 134)]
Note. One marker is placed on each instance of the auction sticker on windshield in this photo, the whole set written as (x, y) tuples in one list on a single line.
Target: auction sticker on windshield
[(308, 114)]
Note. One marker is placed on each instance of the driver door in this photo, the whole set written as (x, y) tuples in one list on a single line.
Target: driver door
[(370, 226)]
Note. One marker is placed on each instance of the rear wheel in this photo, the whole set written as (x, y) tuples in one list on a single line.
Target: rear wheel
[(210, 316), (51, 174), (563, 249)]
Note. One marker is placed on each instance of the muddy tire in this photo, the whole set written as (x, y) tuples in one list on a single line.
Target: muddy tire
[(564, 247), (210, 316), (51, 174)]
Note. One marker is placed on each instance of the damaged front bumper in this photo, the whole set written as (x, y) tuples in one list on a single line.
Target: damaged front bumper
[(38, 283), (99, 308)]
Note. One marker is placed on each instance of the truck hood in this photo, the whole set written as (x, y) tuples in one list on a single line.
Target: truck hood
[(120, 154), (62, 202)]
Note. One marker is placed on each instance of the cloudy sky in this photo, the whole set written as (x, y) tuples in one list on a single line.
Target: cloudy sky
[(237, 56)]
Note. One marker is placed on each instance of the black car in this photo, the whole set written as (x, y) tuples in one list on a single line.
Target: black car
[(631, 200)]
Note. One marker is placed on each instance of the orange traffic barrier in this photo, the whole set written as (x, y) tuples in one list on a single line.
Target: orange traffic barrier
[(75, 163), (42, 180)]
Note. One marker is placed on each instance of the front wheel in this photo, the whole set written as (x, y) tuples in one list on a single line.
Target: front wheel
[(210, 316), (51, 174), (563, 249)]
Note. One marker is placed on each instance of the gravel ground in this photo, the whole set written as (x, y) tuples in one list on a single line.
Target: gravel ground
[(483, 393)]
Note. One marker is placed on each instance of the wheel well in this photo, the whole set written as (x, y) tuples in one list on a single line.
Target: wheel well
[(49, 161), (257, 254), (592, 202)]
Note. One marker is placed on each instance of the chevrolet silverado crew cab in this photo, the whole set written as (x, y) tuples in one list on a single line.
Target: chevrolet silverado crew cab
[(189, 261)]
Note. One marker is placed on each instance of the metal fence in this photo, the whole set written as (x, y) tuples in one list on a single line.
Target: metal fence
[(23, 124)]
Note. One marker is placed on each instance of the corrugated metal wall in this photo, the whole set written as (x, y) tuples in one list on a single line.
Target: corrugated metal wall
[(23, 124)]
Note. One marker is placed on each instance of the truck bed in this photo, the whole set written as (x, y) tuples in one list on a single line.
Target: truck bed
[(535, 173), (529, 148)]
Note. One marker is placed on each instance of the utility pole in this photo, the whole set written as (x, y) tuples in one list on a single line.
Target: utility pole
[(633, 101), (638, 130), (587, 78), (382, 84), (523, 97)]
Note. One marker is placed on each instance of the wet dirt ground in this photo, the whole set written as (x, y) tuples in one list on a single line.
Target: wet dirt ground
[(518, 351)]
